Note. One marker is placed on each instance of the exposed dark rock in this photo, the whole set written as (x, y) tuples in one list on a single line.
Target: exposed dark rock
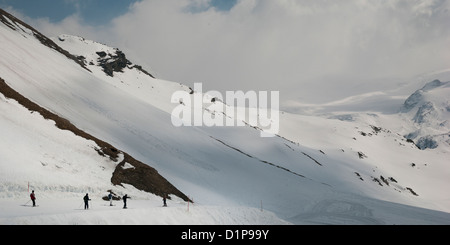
[(142, 70), (361, 155), (144, 178), (392, 179), (357, 174), (116, 63), (113, 63), (377, 180), (427, 143), (317, 162), (102, 54), (263, 161), (376, 129), (411, 190), (384, 180)]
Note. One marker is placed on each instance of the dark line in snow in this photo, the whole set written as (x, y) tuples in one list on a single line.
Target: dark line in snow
[(263, 161)]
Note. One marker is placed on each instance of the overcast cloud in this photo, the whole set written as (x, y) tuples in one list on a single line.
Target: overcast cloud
[(310, 50)]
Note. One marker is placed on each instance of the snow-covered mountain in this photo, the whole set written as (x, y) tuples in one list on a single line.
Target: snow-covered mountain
[(334, 168), (429, 109)]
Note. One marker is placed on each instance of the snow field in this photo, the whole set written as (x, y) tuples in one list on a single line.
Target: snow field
[(139, 212)]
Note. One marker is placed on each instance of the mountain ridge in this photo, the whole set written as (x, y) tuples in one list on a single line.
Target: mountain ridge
[(15, 24)]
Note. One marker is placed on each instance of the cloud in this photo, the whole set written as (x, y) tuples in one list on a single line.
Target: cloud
[(73, 25), (310, 50)]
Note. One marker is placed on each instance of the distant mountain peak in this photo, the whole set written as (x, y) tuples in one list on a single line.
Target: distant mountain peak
[(432, 85), (428, 108), (418, 96)]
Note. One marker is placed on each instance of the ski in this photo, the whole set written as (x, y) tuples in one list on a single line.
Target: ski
[(30, 206)]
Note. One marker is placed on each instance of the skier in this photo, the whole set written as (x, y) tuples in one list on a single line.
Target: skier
[(86, 201), (33, 198), (125, 201), (110, 199), (164, 200)]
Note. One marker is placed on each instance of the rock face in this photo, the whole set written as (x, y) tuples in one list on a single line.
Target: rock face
[(143, 178), (427, 142), (116, 62), (112, 62)]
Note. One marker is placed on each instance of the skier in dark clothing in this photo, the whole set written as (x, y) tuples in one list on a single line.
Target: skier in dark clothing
[(125, 200), (33, 198), (164, 201), (86, 201), (110, 197)]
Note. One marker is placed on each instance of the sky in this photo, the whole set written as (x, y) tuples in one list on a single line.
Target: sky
[(312, 51), (94, 12)]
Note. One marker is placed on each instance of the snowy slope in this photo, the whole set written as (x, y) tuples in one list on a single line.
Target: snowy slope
[(318, 170), (61, 167), (35, 151)]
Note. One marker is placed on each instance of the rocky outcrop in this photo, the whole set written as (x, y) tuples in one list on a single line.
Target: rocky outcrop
[(117, 63), (113, 62)]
